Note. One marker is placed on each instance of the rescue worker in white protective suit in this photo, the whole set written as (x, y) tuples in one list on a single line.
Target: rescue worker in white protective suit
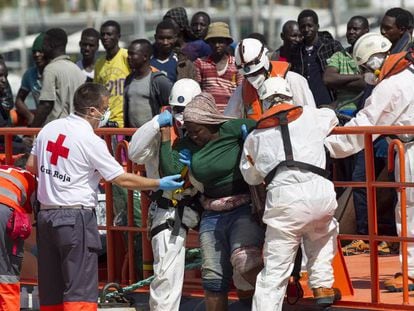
[(254, 65), (300, 200), (391, 103), (168, 224)]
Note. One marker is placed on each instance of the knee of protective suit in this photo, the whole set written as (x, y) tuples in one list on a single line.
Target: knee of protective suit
[(216, 285), (245, 259)]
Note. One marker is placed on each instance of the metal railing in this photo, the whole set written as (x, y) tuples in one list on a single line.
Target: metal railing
[(128, 273)]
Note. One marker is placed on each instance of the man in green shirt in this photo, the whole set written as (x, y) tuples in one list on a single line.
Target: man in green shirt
[(342, 73)]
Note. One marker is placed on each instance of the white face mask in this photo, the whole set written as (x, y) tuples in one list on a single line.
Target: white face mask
[(375, 61), (257, 81), (179, 119), (104, 119)]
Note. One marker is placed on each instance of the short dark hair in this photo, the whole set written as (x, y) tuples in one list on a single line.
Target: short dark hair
[(258, 36), (112, 23), (403, 18), (362, 19), (89, 95), (146, 46), (202, 13), (288, 24), (166, 24), (309, 13), (91, 32), (57, 38)]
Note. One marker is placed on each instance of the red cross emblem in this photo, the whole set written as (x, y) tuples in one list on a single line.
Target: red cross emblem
[(57, 149)]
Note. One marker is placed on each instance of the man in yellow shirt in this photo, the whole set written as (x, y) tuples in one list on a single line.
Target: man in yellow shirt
[(112, 69)]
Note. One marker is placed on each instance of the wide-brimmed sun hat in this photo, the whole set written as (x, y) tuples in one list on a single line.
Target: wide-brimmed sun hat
[(218, 30)]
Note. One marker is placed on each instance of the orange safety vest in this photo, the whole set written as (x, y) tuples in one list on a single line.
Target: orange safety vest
[(395, 63), (17, 186), (252, 104)]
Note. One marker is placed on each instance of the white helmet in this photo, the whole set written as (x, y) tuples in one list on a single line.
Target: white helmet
[(368, 45), (274, 86), (183, 91), (251, 56)]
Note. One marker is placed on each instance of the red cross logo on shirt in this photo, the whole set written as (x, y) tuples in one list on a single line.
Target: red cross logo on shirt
[(57, 149)]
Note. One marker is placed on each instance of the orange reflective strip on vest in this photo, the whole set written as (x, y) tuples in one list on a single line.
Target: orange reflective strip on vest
[(17, 183), (10, 296), (79, 306), (252, 105), (17, 186)]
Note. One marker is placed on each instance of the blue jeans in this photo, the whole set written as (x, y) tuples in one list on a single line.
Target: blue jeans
[(220, 234)]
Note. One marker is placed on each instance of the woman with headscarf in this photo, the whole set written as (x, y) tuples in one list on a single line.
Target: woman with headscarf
[(231, 241)]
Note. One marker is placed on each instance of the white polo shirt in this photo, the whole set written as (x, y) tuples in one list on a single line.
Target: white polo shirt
[(71, 159)]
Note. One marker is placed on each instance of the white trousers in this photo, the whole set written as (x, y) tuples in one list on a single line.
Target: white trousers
[(294, 213), (169, 265), (410, 230), (409, 172)]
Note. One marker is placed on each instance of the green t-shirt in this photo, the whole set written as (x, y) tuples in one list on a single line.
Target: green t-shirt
[(169, 155), (345, 65), (216, 165)]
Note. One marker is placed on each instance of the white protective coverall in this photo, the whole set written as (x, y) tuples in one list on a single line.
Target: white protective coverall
[(298, 85), (168, 250), (299, 205), (391, 103)]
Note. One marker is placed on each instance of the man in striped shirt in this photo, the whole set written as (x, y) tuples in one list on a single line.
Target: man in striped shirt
[(217, 74)]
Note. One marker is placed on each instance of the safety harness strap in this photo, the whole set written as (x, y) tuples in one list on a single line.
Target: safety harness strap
[(167, 225), (298, 164), (290, 162), (179, 211)]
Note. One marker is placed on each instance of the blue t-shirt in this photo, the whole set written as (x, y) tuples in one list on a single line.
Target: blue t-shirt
[(167, 67), (32, 82)]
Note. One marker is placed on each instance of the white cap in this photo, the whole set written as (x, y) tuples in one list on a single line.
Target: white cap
[(183, 91), (368, 45), (251, 56), (274, 86)]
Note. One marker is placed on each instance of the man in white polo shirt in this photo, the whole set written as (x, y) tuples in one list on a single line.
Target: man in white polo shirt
[(69, 160)]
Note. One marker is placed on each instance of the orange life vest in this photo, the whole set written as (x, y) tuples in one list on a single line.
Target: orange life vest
[(252, 104), (395, 63), (279, 114), (17, 186)]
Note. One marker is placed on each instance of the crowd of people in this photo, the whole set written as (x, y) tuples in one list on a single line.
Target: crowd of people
[(233, 137)]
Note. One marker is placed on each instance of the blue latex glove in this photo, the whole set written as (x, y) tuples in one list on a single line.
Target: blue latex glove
[(244, 131), (381, 148), (185, 157), (171, 182), (347, 112), (165, 118)]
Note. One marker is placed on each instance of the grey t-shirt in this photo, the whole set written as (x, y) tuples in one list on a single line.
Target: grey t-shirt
[(61, 78), (138, 95)]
